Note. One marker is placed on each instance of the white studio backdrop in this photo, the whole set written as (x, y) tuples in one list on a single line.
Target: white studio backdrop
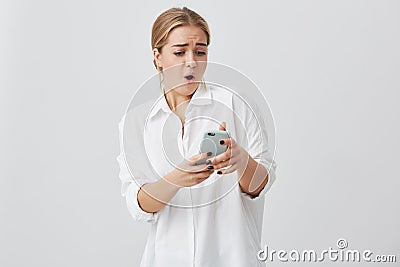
[(68, 69)]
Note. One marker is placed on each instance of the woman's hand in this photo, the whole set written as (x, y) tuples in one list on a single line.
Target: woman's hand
[(235, 156), (188, 173), (252, 176), (152, 197)]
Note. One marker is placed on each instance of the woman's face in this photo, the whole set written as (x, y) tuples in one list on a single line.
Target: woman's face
[(183, 59)]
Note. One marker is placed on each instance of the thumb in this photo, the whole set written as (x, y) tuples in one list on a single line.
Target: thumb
[(222, 126)]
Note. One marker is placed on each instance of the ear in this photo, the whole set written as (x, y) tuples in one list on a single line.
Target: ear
[(157, 59)]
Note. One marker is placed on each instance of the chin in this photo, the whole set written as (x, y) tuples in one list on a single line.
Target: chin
[(187, 89)]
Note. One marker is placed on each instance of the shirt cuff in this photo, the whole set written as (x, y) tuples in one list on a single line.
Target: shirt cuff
[(134, 208), (271, 179)]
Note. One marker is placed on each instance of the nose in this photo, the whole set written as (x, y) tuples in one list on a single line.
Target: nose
[(190, 60)]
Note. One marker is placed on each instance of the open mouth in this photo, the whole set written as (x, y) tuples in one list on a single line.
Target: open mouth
[(189, 77)]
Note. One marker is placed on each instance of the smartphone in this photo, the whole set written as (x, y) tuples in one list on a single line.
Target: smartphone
[(210, 143)]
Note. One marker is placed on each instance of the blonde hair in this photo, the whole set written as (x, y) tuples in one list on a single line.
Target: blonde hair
[(169, 20)]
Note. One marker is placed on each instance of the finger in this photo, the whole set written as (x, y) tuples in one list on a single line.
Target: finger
[(222, 165), (225, 142), (200, 158), (222, 157), (201, 168), (230, 169), (225, 164), (222, 126)]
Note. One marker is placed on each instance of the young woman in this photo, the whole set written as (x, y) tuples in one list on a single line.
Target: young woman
[(200, 214)]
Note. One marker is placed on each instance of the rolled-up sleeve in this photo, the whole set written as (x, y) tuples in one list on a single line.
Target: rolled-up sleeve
[(130, 186), (255, 139), (271, 168)]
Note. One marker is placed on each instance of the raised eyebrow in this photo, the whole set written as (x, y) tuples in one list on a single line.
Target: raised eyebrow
[(186, 44)]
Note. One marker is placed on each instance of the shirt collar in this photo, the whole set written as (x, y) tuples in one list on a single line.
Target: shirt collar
[(160, 105), (201, 97)]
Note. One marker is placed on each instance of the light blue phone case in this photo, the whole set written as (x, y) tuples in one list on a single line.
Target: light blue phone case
[(210, 143)]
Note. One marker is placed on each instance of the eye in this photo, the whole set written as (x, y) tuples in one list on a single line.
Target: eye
[(179, 53), (201, 53)]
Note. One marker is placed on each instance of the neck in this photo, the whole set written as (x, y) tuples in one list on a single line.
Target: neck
[(175, 100)]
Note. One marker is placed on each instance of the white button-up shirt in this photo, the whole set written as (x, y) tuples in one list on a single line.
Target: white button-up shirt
[(213, 223)]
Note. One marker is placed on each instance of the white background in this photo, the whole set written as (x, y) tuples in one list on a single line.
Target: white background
[(329, 69)]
